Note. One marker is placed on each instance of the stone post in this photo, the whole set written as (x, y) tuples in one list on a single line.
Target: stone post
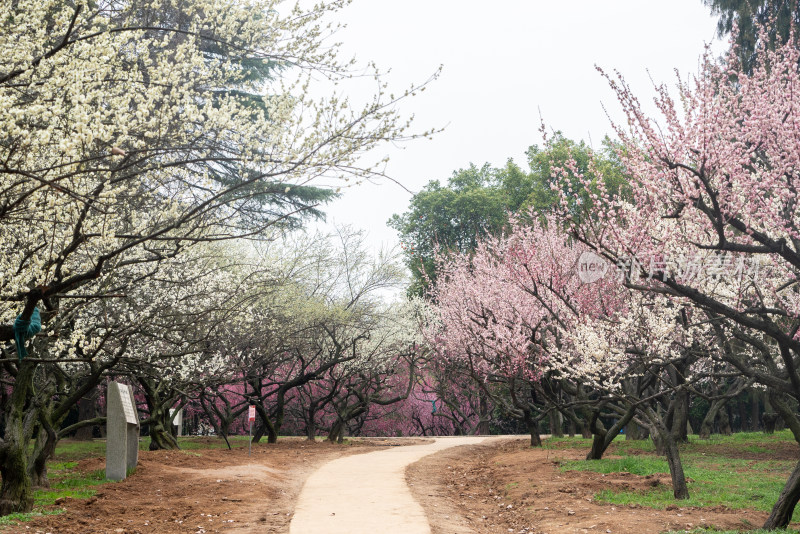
[(177, 421), (122, 424)]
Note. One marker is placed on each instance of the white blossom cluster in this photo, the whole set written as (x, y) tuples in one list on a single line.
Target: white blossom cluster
[(130, 131)]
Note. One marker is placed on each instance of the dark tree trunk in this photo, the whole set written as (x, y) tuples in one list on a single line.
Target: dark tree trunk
[(635, 431), (555, 424), (311, 426), (87, 409), (680, 416), (742, 415), (725, 421), (43, 450), (258, 433), (161, 438), (603, 438), (708, 421), (784, 508), (679, 488), (336, 430), (159, 423), (586, 432), (483, 425), (160, 433), (533, 428), (266, 427), (782, 511), (755, 410), (16, 493), (666, 444), (786, 413), (597, 450), (770, 419)]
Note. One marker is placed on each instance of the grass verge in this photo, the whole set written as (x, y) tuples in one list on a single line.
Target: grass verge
[(726, 470)]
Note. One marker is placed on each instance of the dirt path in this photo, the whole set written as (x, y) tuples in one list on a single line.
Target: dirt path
[(366, 493)]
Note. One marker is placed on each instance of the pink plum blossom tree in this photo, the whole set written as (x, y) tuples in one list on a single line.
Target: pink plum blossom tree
[(713, 212)]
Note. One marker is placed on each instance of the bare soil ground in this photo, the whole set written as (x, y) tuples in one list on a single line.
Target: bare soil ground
[(201, 491), (510, 487)]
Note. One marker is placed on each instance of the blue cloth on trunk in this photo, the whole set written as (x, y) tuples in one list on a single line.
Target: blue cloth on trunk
[(26, 329)]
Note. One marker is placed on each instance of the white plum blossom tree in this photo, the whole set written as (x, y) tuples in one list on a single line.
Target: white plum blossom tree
[(131, 130)]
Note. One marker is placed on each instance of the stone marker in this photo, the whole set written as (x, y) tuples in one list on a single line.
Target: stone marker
[(122, 431), (177, 421)]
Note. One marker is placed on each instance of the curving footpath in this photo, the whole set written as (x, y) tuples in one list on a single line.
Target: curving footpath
[(366, 493)]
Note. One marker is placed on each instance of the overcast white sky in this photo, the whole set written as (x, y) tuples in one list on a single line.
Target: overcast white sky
[(504, 62)]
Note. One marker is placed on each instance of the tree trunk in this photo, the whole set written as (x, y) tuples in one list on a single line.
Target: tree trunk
[(161, 438), (754, 410), (160, 424), (336, 430), (272, 435), (596, 452), (666, 444), (311, 426), (782, 511), (680, 416), (742, 415), (16, 493), (160, 435), (635, 431), (87, 409), (43, 450), (555, 424), (787, 414), (266, 426), (258, 433), (483, 425), (533, 428), (603, 438), (708, 420), (725, 421), (586, 432), (679, 488), (770, 418)]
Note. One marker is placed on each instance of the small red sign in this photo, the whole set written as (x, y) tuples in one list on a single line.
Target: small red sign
[(251, 414)]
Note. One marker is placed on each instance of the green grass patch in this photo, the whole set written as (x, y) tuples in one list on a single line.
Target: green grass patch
[(73, 484), (65, 482), (744, 441), (55, 467), (15, 519), (70, 450), (637, 465), (714, 478), (567, 443)]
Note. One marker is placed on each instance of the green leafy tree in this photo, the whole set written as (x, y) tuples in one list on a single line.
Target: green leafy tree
[(479, 200), (450, 217), (776, 16)]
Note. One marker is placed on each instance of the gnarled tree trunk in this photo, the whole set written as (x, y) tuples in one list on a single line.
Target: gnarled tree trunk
[(16, 493)]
